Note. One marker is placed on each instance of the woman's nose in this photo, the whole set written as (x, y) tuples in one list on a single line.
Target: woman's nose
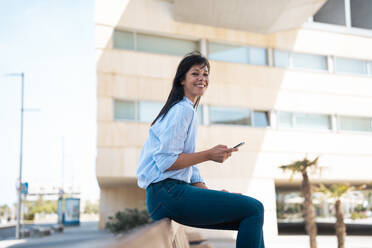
[(201, 78)]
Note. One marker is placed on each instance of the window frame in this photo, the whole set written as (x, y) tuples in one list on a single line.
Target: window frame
[(165, 36), (267, 113), (353, 131), (366, 66), (208, 42), (128, 101), (227, 124), (346, 29), (290, 61), (294, 125)]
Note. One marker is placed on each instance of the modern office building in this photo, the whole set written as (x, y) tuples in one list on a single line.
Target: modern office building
[(290, 78)]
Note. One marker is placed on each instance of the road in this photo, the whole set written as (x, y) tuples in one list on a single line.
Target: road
[(85, 235), (9, 232)]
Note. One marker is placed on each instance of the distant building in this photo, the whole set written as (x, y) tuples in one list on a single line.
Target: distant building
[(290, 78), (49, 191)]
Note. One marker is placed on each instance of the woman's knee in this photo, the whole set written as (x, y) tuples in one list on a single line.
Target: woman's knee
[(255, 207), (259, 211), (260, 208)]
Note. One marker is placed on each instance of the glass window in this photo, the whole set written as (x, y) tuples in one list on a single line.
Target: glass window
[(232, 116), (361, 13), (300, 60), (199, 112), (257, 56), (281, 58), (332, 12), (285, 119), (165, 45), (230, 53), (149, 110), (123, 40), (350, 66), (313, 121), (355, 123), (369, 65), (261, 119), (124, 110), (237, 54)]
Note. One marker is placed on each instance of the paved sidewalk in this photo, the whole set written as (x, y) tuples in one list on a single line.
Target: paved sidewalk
[(85, 235), (88, 235), (302, 241)]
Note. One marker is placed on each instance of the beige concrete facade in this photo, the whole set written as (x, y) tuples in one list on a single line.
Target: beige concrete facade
[(262, 16), (134, 75)]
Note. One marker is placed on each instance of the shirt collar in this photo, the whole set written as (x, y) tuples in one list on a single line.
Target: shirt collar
[(189, 101)]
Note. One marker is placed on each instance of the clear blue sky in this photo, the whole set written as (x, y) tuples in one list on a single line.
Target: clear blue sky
[(52, 42)]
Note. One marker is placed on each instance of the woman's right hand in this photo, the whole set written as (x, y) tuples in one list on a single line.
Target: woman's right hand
[(220, 153)]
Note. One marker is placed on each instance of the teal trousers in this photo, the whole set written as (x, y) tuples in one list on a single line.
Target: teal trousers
[(205, 208)]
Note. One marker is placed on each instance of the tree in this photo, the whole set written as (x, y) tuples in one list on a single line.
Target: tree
[(5, 211), (39, 206), (302, 167), (91, 208), (336, 191)]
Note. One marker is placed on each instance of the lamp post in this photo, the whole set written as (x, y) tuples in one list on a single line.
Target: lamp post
[(19, 183)]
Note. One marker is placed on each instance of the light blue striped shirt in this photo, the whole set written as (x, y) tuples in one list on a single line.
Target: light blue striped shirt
[(168, 137)]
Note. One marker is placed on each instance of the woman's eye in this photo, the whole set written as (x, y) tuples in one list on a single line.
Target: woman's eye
[(205, 75), (195, 74)]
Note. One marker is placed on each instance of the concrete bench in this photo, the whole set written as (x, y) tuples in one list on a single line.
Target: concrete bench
[(164, 233), (41, 231), (197, 241), (57, 228), (25, 233)]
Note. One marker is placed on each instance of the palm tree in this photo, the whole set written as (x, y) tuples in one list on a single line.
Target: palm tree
[(302, 167), (336, 191)]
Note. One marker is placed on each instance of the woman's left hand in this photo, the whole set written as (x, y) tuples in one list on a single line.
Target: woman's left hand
[(224, 190), (200, 185)]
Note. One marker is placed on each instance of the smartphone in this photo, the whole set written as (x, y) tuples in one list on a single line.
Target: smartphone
[(240, 144)]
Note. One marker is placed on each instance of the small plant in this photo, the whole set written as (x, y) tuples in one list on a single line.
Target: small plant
[(29, 216), (91, 207), (359, 208), (358, 215), (280, 210), (127, 219)]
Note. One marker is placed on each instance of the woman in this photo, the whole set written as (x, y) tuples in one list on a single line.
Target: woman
[(167, 165)]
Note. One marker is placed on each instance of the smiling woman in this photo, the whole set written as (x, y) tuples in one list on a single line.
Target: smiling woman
[(167, 166)]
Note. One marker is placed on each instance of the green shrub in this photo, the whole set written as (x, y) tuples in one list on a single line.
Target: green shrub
[(280, 210), (360, 208), (127, 219), (29, 216), (40, 206), (358, 215), (91, 207)]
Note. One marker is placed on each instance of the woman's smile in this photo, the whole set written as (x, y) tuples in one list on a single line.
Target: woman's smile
[(200, 85)]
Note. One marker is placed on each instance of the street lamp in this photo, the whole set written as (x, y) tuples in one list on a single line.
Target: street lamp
[(22, 75), (19, 183)]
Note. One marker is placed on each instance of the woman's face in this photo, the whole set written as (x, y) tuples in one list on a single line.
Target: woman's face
[(196, 82)]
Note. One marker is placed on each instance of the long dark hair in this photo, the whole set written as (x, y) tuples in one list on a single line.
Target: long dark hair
[(177, 92)]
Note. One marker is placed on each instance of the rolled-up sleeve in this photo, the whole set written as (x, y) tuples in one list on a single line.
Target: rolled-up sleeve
[(196, 177), (172, 136)]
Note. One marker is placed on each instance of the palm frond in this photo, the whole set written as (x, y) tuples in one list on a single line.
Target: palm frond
[(338, 190)]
